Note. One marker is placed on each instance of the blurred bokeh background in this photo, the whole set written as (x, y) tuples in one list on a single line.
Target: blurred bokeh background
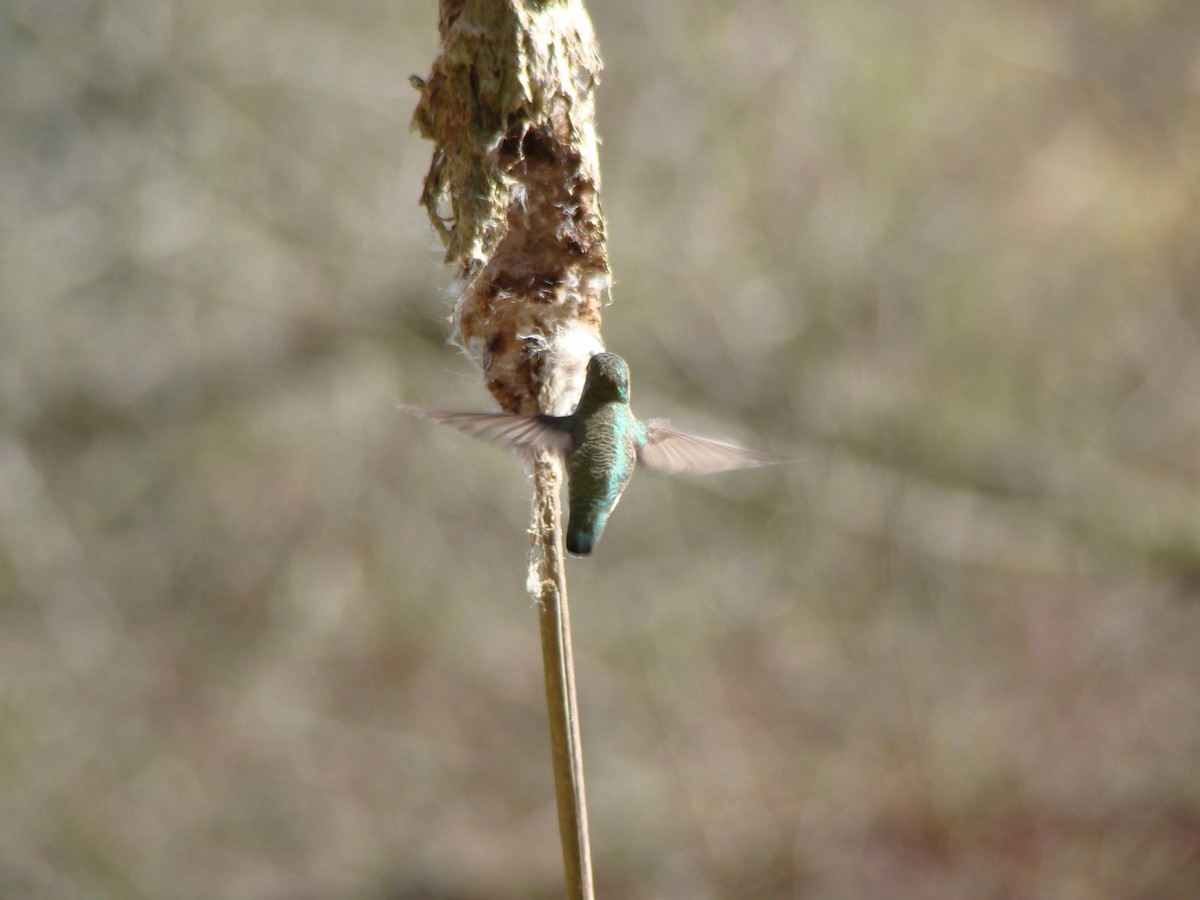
[(263, 637)]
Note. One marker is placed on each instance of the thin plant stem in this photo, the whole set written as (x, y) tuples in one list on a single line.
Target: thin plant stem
[(566, 747), (513, 191)]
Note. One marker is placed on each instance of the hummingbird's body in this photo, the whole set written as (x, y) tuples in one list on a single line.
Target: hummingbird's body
[(604, 451), (602, 442)]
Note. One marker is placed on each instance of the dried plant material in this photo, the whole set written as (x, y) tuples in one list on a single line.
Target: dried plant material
[(513, 190)]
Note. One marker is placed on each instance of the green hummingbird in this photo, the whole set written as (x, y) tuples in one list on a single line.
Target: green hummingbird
[(602, 442)]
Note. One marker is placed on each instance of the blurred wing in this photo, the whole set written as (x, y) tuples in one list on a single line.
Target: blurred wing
[(501, 428), (679, 453)]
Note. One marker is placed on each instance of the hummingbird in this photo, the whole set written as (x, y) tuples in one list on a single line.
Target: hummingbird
[(601, 443)]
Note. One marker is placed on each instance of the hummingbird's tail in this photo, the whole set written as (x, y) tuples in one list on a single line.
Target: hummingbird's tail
[(580, 541), (583, 530)]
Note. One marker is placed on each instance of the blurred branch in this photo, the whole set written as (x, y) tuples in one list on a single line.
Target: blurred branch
[(1023, 503), (513, 191)]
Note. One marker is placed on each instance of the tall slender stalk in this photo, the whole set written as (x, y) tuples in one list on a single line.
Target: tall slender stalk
[(559, 669), (513, 190)]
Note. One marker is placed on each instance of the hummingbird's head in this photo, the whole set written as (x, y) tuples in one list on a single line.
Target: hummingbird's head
[(607, 379)]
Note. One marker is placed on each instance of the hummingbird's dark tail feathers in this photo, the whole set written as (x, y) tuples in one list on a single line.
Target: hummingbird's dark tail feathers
[(583, 530), (580, 541)]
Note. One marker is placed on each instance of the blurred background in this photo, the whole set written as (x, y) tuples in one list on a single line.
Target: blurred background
[(261, 636)]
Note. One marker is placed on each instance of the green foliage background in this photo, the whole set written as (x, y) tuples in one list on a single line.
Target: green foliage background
[(263, 637)]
